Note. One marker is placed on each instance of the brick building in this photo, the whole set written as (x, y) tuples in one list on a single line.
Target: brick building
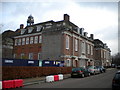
[(66, 41), (7, 44), (61, 40), (102, 53)]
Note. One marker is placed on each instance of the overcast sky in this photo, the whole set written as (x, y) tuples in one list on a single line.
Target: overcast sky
[(98, 18)]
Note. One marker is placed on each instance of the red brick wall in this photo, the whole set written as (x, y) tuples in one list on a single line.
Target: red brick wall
[(28, 48)]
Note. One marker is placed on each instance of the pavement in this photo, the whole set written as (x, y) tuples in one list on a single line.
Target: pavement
[(37, 80)]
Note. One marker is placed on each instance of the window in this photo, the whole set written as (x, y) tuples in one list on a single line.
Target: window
[(39, 56), (68, 63), (83, 47), (30, 29), (14, 56), (31, 40), (23, 41), (30, 55), (39, 28), (76, 45), (22, 31), (88, 50), (27, 40), (16, 42), (36, 39), (105, 54), (22, 55), (91, 50), (40, 39), (101, 54), (67, 42), (19, 41)]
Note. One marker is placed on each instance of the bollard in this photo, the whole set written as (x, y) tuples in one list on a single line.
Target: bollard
[(18, 83), (60, 76), (7, 84), (49, 78), (56, 78)]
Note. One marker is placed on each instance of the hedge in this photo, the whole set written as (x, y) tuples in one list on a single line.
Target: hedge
[(21, 72)]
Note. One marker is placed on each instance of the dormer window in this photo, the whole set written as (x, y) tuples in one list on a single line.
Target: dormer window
[(30, 29), (22, 31), (39, 28)]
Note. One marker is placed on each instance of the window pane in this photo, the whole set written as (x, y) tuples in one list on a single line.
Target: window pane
[(76, 45), (27, 40), (23, 41), (19, 42), (40, 39), (67, 42), (30, 55), (36, 39), (31, 40)]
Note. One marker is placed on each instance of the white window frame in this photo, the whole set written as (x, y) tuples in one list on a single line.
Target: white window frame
[(30, 55), (101, 54), (16, 42), (27, 40), (67, 42), (39, 56), (83, 47), (14, 55), (91, 50), (22, 54), (40, 39), (31, 40), (68, 62), (22, 31), (36, 39), (19, 41), (76, 45), (104, 54), (39, 28), (88, 49), (30, 29), (23, 41)]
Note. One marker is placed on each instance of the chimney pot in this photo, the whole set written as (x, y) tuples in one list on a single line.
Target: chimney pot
[(91, 36), (21, 26), (66, 17)]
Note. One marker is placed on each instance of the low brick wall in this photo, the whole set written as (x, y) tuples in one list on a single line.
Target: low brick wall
[(17, 72)]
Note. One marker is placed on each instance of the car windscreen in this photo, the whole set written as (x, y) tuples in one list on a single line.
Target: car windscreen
[(76, 69), (117, 76)]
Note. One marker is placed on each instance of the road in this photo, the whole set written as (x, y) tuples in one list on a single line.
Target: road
[(102, 80)]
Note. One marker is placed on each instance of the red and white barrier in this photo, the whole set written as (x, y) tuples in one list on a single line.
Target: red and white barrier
[(0, 84), (54, 78), (60, 76), (12, 83), (49, 78), (8, 84), (18, 83)]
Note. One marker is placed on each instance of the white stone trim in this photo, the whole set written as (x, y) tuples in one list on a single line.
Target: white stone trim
[(27, 35)]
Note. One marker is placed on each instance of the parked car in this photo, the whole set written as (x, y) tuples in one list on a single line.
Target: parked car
[(80, 72), (113, 65), (93, 70), (101, 68), (116, 81), (118, 66)]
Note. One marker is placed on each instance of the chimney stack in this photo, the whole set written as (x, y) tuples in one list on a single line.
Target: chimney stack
[(81, 31), (66, 17), (21, 26), (91, 36), (85, 34)]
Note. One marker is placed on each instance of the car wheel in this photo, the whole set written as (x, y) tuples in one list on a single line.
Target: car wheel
[(83, 75), (88, 74)]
